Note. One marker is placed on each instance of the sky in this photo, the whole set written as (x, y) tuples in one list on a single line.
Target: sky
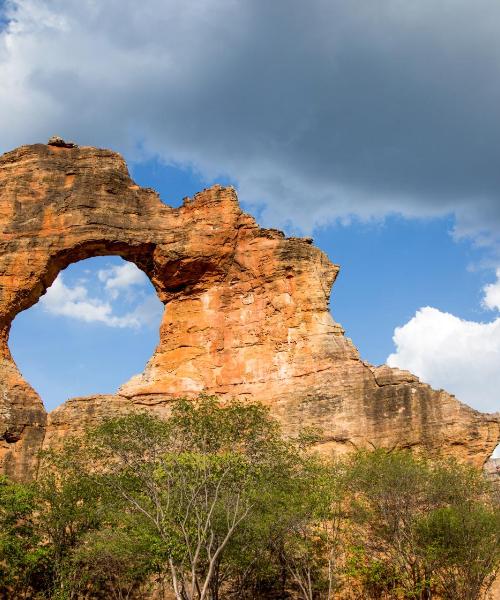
[(372, 126), (95, 327)]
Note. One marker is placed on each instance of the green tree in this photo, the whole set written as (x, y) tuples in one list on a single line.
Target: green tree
[(408, 511), (23, 560), (196, 478), (113, 562), (463, 544), (69, 504), (214, 503), (312, 529), (290, 539)]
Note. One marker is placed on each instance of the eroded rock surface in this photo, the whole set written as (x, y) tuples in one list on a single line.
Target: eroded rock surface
[(246, 314)]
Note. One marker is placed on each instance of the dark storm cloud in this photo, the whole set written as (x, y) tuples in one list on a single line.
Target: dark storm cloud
[(321, 109)]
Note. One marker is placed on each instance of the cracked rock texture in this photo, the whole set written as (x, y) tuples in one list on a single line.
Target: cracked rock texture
[(246, 315)]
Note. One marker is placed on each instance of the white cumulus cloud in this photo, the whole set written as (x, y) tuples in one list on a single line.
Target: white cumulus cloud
[(460, 356), (121, 277), (492, 294), (76, 303)]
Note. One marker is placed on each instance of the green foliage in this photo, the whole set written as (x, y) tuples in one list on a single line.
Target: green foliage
[(111, 563), (213, 502), (375, 576), (197, 477), (462, 542), (429, 525), (22, 558)]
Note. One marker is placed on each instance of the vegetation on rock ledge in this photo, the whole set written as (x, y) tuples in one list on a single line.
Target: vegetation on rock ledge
[(214, 503)]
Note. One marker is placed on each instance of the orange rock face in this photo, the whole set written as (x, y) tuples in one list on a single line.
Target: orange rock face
[(246, 315)]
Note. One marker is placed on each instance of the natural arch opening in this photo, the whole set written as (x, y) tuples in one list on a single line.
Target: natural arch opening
[(96, 326)]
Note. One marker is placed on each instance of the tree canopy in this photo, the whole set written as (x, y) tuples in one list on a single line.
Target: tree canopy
[(214, 502)]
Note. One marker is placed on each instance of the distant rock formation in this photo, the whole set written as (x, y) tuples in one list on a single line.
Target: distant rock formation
[(246, 315)]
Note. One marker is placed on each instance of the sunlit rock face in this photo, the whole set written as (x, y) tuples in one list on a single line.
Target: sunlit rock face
[(246, 315)]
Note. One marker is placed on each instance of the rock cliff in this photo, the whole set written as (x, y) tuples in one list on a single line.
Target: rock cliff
[(246, 314)]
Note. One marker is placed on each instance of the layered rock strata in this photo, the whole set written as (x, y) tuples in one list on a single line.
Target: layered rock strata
[(246, 315)]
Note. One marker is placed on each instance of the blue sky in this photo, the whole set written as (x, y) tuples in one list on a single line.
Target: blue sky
[(375, 127), (3, 18), (74, 345)]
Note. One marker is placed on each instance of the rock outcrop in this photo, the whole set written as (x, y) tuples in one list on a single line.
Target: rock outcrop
[(246, 314)]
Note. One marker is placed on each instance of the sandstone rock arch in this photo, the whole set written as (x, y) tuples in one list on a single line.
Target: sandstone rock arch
[(246, 314)]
